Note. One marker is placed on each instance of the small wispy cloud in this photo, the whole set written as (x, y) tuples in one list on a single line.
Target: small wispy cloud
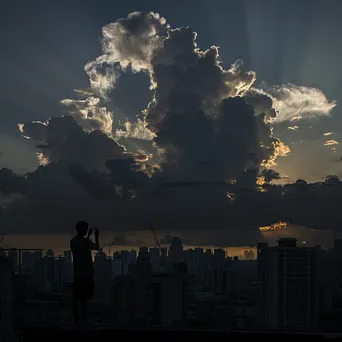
[(21, 130), (331, 143), (328, 133), (295, 103), (296, 118), (293, 128)]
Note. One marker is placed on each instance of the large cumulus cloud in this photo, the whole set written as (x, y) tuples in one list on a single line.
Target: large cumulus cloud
[(207, 137)]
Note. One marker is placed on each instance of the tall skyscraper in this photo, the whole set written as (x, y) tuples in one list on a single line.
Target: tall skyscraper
[(149, 299), (287, 286), (219, 256), (102, 270), (28, 259), (155, 258), (68, 256), (50, 253), (144, 256), (132, 257), (13, 254), (176, 250), (5, 298)]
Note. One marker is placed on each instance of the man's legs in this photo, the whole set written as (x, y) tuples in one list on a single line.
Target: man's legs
[(75, 300), (75, 310), (80, 311), (83, 311), (88, 293), (83, 290)]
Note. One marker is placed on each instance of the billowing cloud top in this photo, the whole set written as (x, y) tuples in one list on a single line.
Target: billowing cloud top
[(205, 128)]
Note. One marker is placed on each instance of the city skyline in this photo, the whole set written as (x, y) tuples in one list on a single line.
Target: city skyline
[(191, 239), (286, 285)]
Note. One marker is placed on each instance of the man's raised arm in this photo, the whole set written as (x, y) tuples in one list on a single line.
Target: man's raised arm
[(94, 245)]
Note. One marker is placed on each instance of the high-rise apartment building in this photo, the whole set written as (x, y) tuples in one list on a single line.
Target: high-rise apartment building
[(146, 298), (6, 265), (287, 286), (103, 271), (143, 256), (176, 250)]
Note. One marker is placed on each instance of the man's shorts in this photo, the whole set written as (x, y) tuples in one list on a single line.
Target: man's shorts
[(83, 288)]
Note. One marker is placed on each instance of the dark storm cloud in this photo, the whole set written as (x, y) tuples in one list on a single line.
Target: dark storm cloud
[(167, 238), (262, 103), (70, 150), (11, 183), (314, 205), (270, 175), (74, 179), (201, 207), (63, 140), (191, 80), (228, 144), (121, 240), (211, 130), (95, 183), (12, 187), (195, 116)]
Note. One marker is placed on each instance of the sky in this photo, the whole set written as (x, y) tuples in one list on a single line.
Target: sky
[(52, 48)]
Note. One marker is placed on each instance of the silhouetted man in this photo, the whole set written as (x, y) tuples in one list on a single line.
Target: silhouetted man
[(83, 285)]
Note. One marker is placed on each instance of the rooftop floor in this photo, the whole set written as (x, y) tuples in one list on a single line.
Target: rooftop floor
[(54, 333)]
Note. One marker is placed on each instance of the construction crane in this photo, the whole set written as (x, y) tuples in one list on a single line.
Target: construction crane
[(156, 239), (1, 248), (162, 255)]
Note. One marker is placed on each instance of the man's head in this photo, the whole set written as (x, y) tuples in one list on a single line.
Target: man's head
[(82, 228)]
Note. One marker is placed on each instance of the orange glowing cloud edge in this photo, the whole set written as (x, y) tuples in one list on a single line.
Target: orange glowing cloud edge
[(275, 226)]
